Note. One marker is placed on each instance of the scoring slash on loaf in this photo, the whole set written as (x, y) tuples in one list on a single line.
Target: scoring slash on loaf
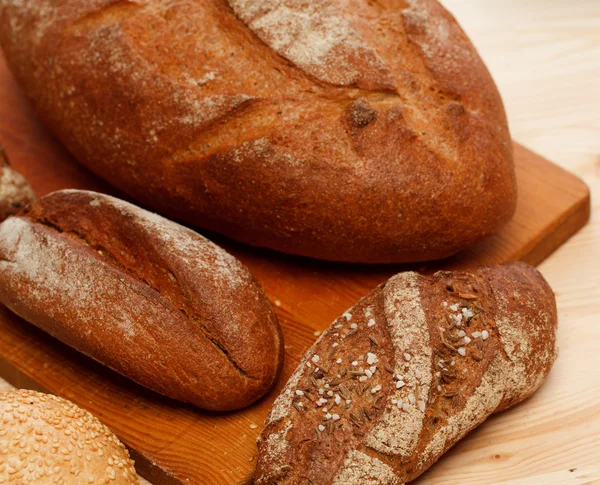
[(406, 373), (344, 130), (147, 297), (48, 440)]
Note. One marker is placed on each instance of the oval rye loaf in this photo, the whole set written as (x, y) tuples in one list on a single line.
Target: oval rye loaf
[(346, 130), (147, 297), (406, 373)]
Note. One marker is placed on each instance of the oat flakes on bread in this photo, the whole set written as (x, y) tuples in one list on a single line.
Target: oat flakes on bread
[(407, 372), (346, 130), (47, 440)]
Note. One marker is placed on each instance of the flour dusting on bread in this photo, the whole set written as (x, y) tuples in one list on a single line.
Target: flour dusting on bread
[(316, 37), (362, 469), (409, 331)]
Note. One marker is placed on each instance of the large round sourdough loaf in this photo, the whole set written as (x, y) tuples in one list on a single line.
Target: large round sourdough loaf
[(407, 372), (338, 129), (147, 297)]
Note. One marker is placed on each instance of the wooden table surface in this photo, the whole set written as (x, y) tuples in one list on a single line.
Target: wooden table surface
[(545, 57)]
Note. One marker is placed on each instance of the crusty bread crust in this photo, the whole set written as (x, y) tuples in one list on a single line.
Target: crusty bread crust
[(48, 440), (407, 372), (338, 129), (147, 297)]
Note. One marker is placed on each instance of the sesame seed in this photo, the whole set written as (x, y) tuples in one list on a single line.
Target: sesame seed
[(370, 323), (299, 392), (418, 374), (354, 363), (476, 334), (399, 403), (467, 340), (461, 333), (485, 335), (368, 312), (321, 391), (444, 304), (253, 426), (326, 386), (462, 351), (439, 388), (454, 307), (308, 364), (362, 378), (406, 356), (328, 416), (452, 362), (315, 358), (373, 369), (339, 361), (421, 406), (298, 403), (411, 398), (330, 393), (394, 401), (377, 388), (405, 406), (353, 325), (400, 384), (348, 401), (335, 417), (347, 315), (324, 410), (316, 333), (338, 399), (321, 427), (335, 344)]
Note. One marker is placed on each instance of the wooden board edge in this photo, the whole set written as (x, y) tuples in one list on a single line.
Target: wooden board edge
[(566, 226)]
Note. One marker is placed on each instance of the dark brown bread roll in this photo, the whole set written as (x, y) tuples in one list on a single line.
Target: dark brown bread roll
[(48, 440), (147, 297), (353, 131), (407, 372)]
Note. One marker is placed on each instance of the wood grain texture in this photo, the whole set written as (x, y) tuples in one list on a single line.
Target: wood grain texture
[(545, 57)]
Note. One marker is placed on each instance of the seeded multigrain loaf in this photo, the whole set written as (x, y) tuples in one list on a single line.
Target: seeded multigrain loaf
[(48, 440), (407, 372), (147, 297), (344, 130)]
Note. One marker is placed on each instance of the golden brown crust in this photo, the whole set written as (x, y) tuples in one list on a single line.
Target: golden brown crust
[(151, 299), (48, 440), (344, 130), (406, 373)]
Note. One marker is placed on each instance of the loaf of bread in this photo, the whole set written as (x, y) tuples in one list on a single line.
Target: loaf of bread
[(15, 191), (48, 440), (352, 131), (147, 297), (407, 372)]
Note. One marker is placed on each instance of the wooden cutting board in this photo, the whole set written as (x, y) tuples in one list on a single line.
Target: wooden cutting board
[(173, 443)]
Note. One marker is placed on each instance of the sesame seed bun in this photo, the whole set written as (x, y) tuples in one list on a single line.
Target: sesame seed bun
[(48, 440)]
